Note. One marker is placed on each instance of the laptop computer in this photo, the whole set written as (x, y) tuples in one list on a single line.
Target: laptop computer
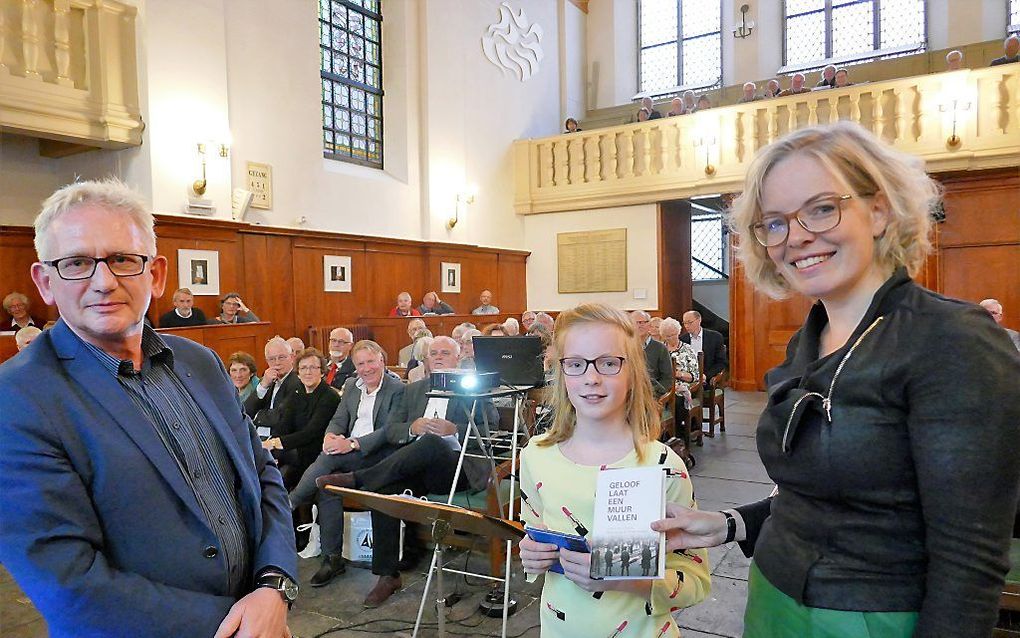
[(516, 360)]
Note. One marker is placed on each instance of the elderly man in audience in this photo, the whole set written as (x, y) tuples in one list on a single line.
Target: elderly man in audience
[(828, 77), (1011, 48), (296, 344), (842, 78), (690, 101), (341, 366), (414, 327), (772, 88), (16, 305), (796, 86), (355, 438), (425, 464), (243, 373), (685, 360), (511, 327), (25, 336), (646, 103), (432, 305), (545, 320), (139, 503), (708, 341), (994, 308), (184, 313), (275, 387), (527, 319), (676, 107), (954, 60), (485, 307), (750, 93), (467, 348), (460, 329), (404, 307), (657, 359), (233, 310)]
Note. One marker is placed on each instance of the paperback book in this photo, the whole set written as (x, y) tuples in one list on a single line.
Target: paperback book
[(623, 544)]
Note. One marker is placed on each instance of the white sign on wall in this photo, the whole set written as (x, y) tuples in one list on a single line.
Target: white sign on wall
[(513, 44), (260, 183)]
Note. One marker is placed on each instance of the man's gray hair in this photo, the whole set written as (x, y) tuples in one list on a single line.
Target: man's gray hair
[(111, 194), (512, 326), (279, 341), (21, 337), (641, 313), (450, 340)]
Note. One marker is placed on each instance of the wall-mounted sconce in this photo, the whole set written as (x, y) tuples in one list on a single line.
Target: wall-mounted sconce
[(954, 106), (199, 185), (463, 197), (707, 142), (744, 27), (224, 150)]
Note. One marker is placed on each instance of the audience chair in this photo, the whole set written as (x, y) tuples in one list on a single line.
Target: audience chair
[(694, 417), (716, 403), (400, 371)]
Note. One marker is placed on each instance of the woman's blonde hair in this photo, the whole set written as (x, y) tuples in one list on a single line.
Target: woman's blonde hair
[(642, 409), (865, 165)]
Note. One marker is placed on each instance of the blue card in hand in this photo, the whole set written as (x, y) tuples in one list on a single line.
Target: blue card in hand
[(573, 542)]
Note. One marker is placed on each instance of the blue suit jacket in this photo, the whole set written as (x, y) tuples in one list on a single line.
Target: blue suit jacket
[(98, 525)]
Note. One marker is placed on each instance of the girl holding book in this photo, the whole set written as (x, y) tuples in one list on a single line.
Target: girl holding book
[(605, 417)]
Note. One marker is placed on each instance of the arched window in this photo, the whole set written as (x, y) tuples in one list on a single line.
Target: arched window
[(851, 30), (350, 46), (680, 45)]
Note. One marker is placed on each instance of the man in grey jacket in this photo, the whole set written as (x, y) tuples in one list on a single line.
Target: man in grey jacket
[(355, 438)]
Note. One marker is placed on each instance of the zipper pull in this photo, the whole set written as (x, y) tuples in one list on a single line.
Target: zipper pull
[(827, 404)]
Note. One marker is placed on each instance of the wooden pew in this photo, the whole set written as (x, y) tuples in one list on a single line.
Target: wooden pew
[(226, 339)]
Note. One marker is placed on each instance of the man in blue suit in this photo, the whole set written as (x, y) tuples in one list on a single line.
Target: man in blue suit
[(138, 500)]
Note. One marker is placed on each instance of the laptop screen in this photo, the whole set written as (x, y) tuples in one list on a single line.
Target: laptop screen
[(517, 360)]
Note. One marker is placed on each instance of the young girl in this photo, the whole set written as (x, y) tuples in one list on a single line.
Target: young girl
[(606, 416)]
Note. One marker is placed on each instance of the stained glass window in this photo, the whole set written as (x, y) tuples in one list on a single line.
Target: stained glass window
[(350, 48), (681, 44), (816, 30)]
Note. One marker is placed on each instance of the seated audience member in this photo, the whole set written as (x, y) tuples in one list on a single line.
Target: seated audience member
[(828, 78), (420, 353), (690, 102), (431, 305), (750, 93), (424, 464), (653, 328), (184, 313), (233, 310), (772, 89), (467, 348), (570, 126), (954, 60), (842, 78), (685, 360), (296, 438), (296, 344), (415, 361), (404, 307), (527, 319), (796, 86), (341, 366), (646, 102), (704, 103), (708, 341), (994, 308), (276, 385), (493, 330), (657, 359), (546, 321), (243, 373), (511, 327), (16, 305), (459, 330), (25, 336), (355, 438), (676, 107), (414, 326), (1011, 48), (643, 115), (486, 307)]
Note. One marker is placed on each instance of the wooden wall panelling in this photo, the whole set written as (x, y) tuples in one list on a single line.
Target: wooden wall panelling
[(478, 270), (511, 272), (17, 254), (392, 268), (676, 289), (226, 340), (318, 307)]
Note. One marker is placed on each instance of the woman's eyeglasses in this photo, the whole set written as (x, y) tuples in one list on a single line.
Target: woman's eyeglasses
[(818, 215)]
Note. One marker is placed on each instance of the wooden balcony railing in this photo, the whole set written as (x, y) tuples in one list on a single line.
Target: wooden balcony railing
[(961, 120)]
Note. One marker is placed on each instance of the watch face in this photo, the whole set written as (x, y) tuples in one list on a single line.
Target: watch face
[(290, 589)]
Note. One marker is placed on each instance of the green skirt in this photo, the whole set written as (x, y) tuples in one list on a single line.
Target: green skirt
[(772, 614)]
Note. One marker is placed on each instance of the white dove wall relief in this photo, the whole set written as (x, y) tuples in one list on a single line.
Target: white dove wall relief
[(513, 45)]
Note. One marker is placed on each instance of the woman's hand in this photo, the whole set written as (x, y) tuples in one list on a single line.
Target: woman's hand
[(577, 567), (537, 557), (272, 444), (688, 528)]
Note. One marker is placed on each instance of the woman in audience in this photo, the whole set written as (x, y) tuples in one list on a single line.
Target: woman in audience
[(243, 372), (467, 348), (570, 126), (494, 330), (605, 415), (16, 305), (685, 360), (419, 354), (511, 327), (233, 310), (654, 324), (643, 114), (896, 494), (297, 439)]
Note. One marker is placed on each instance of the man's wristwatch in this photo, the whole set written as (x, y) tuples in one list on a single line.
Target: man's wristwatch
[(355, 444), (280, 582)]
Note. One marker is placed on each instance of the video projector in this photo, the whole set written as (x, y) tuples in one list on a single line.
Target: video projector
[(463, 381)]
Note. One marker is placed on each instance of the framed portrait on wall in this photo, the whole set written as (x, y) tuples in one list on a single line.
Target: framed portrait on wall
[(451, 277), (336, 273), (199, 271)]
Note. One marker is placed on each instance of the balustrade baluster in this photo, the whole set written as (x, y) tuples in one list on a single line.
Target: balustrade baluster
[(877, 114), (560, 176), (791, 117), (833, 109), (646, 153), (855, 107), (30, 38), (62, 41), (545, 162), (626, 159), (773, 122), (576, 150), (612, 163), (667, 133), (812, 113), (592, 159)]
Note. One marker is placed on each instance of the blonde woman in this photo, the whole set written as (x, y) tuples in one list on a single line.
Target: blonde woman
[(605, 416), (685, 360), (891, 428)]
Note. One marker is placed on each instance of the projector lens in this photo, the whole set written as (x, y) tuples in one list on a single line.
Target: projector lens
[(469, 381)]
